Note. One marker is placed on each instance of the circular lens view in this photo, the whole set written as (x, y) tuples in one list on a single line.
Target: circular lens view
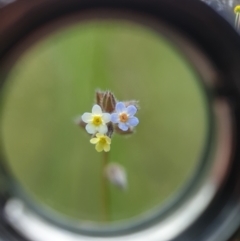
[(102, 121)]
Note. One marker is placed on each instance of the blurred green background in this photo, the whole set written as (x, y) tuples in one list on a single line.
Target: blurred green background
[(55, 81)]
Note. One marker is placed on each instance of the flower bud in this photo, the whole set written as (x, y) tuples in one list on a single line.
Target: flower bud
[(108, 102), (99, 96), (116, 174)]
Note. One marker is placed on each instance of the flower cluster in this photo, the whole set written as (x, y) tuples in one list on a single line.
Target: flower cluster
[(108, 116)]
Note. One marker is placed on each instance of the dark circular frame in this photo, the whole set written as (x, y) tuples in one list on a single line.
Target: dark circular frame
[(196, 22)]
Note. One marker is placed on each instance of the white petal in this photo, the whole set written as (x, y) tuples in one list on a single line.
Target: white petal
[(97, 110), (106, 117), (102, 129), (90, 128), (120, 107), (86, 117)]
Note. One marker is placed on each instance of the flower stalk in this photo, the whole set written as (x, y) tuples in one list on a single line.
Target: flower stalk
[(106, 202)]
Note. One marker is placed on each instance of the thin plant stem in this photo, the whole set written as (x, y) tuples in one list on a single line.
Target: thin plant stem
[(105, 189), (237, 21)]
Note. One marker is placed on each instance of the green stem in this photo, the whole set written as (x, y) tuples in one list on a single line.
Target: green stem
[(105, 189)]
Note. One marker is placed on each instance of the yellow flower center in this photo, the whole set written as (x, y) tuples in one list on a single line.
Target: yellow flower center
[(237, 9), (102, 140), (97, 120), (123, 117)]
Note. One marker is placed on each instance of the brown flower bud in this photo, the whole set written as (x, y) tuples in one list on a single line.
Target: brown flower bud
[(108, 102), (99, 96)]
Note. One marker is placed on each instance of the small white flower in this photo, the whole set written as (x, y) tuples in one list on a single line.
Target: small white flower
[(96, 121)]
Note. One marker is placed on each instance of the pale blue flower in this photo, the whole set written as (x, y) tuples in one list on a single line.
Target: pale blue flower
[(124, 116)]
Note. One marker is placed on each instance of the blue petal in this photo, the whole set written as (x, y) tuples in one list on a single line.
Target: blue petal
[(123, 126), (131, 110), (133, 121), (114, 118), (120, 107)]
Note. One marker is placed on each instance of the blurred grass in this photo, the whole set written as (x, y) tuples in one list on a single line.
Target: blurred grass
[(55, 82)]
